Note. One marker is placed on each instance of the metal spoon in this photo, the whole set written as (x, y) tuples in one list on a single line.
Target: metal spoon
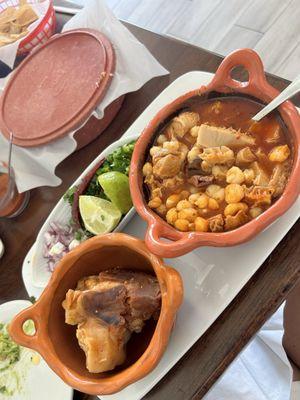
[(288, 92)]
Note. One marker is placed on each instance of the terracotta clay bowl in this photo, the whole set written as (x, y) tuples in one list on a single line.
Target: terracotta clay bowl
[(257, 88), (56, 341)]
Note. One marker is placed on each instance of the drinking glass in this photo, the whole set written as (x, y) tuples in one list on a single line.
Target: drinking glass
[(12, 203)]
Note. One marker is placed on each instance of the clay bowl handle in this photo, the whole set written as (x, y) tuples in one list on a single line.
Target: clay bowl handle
[(16, 328), (256, 85), (174, 284), (179, 244)]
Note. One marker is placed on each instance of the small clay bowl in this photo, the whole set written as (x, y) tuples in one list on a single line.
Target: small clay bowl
[(257, 88), (56, 341)]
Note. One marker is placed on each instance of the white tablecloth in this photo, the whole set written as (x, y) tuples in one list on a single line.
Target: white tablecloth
[(261, 372)]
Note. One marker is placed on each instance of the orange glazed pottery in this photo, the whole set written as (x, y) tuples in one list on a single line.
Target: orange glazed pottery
[(56, 341), (258, 88)]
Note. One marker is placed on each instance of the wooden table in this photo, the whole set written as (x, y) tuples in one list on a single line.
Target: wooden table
[(201, 366)]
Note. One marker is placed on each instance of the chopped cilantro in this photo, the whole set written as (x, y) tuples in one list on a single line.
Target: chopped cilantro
[(69, 195), (118, 160)]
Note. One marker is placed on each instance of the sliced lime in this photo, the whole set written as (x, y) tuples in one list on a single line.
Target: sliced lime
[(116, 188), (99, 216)]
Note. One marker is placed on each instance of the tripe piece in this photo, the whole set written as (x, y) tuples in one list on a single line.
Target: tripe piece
[(214, 136)]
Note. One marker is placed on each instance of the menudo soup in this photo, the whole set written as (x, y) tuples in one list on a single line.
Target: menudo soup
[(213, 169)]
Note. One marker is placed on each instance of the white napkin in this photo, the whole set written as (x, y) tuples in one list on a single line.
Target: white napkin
[(8, 53), (261, 372), (36, 166)]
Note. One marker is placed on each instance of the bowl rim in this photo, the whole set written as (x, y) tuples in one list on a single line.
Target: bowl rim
[(172, 296), (257, 87)]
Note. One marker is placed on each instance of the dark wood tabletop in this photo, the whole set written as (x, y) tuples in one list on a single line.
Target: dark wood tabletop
[(202, 365)]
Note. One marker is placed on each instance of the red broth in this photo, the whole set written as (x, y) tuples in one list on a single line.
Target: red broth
[(226, 112)]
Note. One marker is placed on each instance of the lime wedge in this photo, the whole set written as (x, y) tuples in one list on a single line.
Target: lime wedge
[(116, 188), (99, 216)]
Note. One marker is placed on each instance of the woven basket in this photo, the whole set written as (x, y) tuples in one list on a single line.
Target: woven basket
[(41, 33)]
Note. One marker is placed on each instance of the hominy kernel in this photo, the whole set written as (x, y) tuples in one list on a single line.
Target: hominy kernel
[(172, 216), (279, 153), (219, 172), (233, 208), (201, 224), (235, 175), (155, 203), (182, 225), (162, 209), (147, 169), (183, 204), (234, 193), (202, 202), (172, 200), (213, 204), (154, 150), (188, 213), (194, 197), (216, 192), (173, 145), (255, 211), (161, 139)]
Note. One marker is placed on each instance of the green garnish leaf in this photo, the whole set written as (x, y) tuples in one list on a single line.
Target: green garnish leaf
[(69, 195)]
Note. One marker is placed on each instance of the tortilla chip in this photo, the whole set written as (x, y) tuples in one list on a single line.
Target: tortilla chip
[(10, 38), (15, 28), (5, 27), (4, 40), (15, 21), (8, 15), (19, 35), (25, 15)]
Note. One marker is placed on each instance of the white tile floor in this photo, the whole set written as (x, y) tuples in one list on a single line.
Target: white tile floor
[(271, 27)]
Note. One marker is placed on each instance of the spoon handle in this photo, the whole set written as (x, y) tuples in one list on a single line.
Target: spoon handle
[(11, 136), (288, 92)]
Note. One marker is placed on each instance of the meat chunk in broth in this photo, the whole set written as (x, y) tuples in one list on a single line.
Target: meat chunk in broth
[(279, 178), (106, 309), (245, 156), (213, 169), (180, 125), (261, 177), (200, 180), (218, 155), (167, 166)]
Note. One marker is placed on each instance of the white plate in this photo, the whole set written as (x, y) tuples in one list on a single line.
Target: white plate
[(27, 274), (62, 213), (40, 381), (212, 276), (1, 248)]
